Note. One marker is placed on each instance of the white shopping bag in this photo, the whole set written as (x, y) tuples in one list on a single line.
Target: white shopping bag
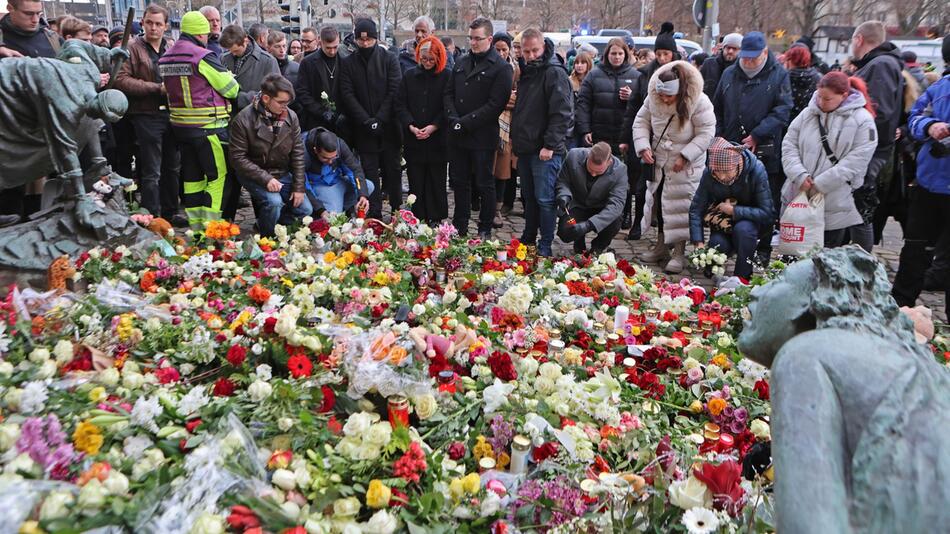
[(802, 227)]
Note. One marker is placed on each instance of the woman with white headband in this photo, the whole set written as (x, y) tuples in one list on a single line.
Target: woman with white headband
[(671, 133)]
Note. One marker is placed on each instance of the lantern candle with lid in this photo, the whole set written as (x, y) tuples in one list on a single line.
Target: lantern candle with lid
[(398, 411)]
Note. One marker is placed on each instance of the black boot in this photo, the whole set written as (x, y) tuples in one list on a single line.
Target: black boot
[(625, 221)]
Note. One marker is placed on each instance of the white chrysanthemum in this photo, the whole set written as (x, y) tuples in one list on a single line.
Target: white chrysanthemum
[(4, 339), (145, 411), (193, 401), (33, 398), (134, 446), (700, 521), (517, 299)]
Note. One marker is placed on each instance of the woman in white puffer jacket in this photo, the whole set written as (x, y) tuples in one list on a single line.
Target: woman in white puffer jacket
[(842, 105)]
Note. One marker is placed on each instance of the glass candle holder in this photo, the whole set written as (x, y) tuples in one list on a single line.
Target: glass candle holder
[(398, 408)]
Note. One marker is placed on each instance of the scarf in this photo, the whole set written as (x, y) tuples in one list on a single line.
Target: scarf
[(752, 73), (725, 157)]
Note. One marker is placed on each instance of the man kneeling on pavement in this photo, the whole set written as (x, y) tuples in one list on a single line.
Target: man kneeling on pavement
[(335, 178), (591, 191), (267, 152)]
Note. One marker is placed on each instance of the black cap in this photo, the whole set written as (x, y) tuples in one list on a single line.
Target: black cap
[(365, 28), (99, 28), (502, 36), (807, 41), (909, 56)]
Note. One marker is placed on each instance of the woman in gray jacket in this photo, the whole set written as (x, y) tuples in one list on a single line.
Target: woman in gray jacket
[(827, 150)]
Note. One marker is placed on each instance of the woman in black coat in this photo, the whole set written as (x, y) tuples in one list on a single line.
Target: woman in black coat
[(607, 103), (422, 118)]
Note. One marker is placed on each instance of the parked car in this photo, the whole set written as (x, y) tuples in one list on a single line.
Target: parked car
[(614, 32), (600, 43)]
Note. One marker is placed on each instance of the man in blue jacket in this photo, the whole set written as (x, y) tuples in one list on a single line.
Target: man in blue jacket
[(925, 258), (335, 180), (753, 102), (735, 190)]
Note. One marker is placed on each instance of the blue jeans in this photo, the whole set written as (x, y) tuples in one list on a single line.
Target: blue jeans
[(744, 238), (538, 180), (275, 208), (338, 197)]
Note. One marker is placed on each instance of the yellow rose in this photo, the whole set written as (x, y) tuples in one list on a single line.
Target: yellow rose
[(378, 494), (471, 483), (696, 406), (87, 438), (456, 489), (425, 406), (97, 394)]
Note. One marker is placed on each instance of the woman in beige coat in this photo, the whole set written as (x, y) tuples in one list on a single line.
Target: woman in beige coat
[(672, 131)]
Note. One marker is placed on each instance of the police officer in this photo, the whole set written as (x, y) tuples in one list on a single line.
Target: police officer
[(199, 89)]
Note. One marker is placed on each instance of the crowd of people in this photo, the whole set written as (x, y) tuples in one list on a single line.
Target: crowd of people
[(707, 150)]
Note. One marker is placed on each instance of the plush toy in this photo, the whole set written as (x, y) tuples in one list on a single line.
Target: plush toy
[(431, 345), (923, 322), (159, 226), (102, 192), (58, 273)]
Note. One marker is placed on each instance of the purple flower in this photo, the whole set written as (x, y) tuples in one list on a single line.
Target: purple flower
[(740, 415)]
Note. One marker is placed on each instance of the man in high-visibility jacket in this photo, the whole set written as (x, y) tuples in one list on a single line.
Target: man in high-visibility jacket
[(199, 89)]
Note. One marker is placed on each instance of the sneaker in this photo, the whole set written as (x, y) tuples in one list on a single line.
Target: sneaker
[(506, 210)]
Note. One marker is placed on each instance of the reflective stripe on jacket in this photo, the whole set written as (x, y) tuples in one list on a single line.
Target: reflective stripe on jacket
[(198, 86)]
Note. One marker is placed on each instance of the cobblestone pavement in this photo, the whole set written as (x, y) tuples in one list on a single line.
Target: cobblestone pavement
[(888, 252)]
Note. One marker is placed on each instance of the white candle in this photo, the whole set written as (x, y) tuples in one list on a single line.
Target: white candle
[(620, 317)]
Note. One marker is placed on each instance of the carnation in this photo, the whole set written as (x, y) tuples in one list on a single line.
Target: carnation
[(145, 411)]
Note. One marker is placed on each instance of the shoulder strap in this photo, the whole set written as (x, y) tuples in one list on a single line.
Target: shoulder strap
[(824, 143), (660, 138)]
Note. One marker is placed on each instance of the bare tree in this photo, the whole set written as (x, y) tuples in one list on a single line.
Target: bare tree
[(612, 13), (911, 13), (809, 12), (396, 12), (548, 13), (492, 9)]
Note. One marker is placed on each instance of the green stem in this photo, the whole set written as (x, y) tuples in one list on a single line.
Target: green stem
[(662, 403), (452, 417)]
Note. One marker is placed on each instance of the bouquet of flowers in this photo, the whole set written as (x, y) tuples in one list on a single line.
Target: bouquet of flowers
[(709, 260)]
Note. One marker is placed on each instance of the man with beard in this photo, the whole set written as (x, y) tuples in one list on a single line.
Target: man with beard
[(540, 122), (475, 97), (319, 74), (713, 67), (369, 81)]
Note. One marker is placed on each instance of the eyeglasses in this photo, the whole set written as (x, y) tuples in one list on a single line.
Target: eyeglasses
[(477, 39), (308, 41)]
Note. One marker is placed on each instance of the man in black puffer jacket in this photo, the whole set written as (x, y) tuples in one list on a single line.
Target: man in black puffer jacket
[(605, 111), (879, 65), (540, 122), (368, 87), (713, 67)]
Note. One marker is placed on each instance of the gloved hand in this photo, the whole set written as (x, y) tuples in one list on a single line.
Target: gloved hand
[(329, 118), (562, 203), (573, 232), (340, 123), (118, 52)]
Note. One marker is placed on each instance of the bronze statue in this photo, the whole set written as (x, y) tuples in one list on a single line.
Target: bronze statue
[(860, 410)]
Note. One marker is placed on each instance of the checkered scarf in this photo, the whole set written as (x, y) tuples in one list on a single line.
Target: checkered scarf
[(724, 157)]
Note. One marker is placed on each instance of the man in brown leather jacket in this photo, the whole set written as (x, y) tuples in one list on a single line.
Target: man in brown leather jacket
[(158, 158), (267, 154)]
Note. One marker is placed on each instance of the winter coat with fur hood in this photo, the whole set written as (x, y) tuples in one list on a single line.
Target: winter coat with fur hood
[(690, 139), (852, 138)]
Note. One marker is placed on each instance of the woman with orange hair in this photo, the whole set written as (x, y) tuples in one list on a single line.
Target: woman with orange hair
[(422, 117)]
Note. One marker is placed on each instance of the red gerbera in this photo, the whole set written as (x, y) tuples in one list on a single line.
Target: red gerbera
[(224, 387), (236, 355), (299, 366)]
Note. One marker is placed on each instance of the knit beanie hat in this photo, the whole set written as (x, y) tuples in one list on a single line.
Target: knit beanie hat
[(194, 23), (502, 36), (664, 40), (367, 27)]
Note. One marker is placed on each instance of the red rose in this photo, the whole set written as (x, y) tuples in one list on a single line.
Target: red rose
[(295, 530), (224, 387), (269, 325), (457, 450), (329, 399), (335, 426), (723, 481), (761, 388), (190, 426), (167, 375), (501, 366), (698, 295), (236, 355), (545, 451), (665, 454), (320, 226), (242, 518)]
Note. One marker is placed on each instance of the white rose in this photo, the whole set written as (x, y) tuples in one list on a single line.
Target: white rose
[(284, 479), (46, 370), (285, 424), (132, 380), (347, 507), (55, 505), (760, 429), (302, 476), (366, 451), (12, 398), (425, 406), (117, 483), (108, 377), (9, 433), (690, 493), (378, 434), (92, 496), (316, 525), (382, 522), (259, 390), (491, 504), (6, 368), (39, 355), (208, 524), (358, 423), (550, 370), (419, 309), (290, 509)]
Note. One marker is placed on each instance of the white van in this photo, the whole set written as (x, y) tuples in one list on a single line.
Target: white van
[(600, 43)]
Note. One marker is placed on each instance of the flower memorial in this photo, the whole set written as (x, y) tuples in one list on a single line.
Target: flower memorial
[(350, 376)]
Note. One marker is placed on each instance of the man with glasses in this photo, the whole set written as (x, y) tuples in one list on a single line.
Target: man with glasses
[(734, 200), (713, 67), (474, 98), (319, 74), (309, 40), (271, 166), (369, 82)]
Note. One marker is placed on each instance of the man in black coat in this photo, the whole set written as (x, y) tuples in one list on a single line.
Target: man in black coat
[(319, 73), (369, 82), (474, 98), (540, 122), (713, 67), (879, 65)]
